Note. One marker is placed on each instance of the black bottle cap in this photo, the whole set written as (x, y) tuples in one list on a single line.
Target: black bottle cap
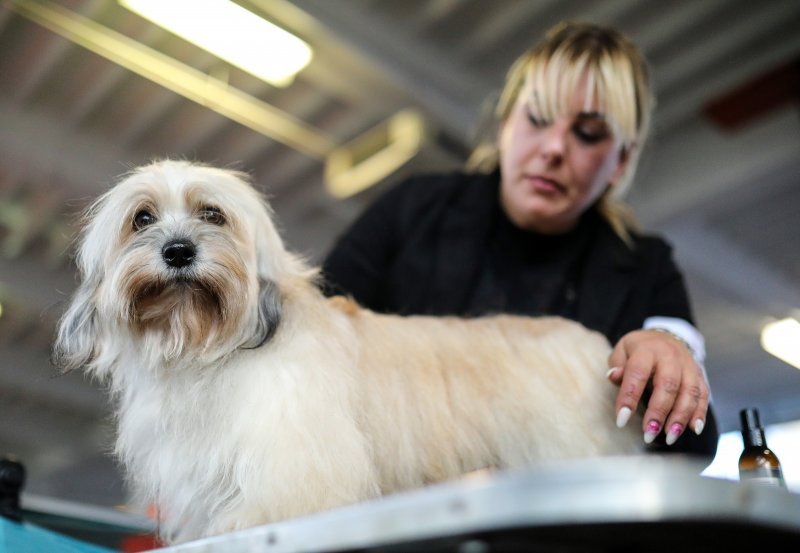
[(752, 432), (750, 418)]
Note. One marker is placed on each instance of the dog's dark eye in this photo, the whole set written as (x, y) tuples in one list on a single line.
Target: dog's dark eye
[(142, 219), (212, 215)]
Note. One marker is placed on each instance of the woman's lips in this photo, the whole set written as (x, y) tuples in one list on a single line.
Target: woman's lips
[(544, 185)]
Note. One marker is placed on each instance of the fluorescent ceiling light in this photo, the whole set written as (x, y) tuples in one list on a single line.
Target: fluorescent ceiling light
[(231, 33), (782, 339)]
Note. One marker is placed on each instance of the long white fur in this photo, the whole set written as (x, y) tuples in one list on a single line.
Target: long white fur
[(291, 403)]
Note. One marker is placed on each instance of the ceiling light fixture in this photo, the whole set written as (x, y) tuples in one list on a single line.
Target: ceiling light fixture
[(231, 33), (782, 339), (375, 155)]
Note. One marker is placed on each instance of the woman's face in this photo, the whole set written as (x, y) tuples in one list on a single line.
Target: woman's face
[(552, 171)]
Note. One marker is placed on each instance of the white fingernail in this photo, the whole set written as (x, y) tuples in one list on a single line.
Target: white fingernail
[(674, 432), (623, 416), (699, 424), (653, 428), (611, 371)]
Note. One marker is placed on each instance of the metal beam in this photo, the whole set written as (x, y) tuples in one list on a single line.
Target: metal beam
[(178, 77), (436, 81)]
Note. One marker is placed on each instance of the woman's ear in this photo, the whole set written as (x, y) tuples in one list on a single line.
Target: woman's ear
[(626, 154)]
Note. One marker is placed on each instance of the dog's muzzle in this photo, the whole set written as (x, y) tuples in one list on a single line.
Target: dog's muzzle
[(178, 253)]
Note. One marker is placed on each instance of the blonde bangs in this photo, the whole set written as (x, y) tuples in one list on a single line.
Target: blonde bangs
[(619, 100), (607, 81)]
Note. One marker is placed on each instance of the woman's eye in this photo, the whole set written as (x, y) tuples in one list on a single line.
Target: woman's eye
[(590, 136), (212, 215), (535, 121), (143, 218)]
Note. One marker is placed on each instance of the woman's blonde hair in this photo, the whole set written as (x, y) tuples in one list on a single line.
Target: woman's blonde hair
[(616, 75)]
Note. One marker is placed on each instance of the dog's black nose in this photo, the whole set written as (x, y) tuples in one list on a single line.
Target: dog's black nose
[(178, 253)]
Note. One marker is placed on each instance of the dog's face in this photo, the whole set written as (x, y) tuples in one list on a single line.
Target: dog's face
[(182, 255)]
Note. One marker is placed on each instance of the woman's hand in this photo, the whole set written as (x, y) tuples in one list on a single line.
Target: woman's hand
[(679, 396)]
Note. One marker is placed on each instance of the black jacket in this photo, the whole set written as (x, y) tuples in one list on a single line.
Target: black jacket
[(419, 250)]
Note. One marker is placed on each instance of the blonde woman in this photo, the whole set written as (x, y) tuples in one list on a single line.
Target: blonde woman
[(535, 226)]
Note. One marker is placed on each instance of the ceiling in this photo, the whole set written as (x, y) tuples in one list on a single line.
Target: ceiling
[(720, 177)]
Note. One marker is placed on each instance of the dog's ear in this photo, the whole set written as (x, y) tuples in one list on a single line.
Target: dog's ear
[(77, 335), (269, 314)]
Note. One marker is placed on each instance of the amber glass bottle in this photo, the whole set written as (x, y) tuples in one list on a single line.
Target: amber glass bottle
[(757, 462)]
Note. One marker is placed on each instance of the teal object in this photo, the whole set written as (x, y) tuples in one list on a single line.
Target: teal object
[(16, 537)]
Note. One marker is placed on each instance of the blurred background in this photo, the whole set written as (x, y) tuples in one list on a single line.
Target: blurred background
[(88, 88)]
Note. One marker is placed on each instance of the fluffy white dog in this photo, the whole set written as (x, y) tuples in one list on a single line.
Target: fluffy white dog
[(244, 396)]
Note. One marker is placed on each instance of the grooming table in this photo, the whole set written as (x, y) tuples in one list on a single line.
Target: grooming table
[(647, 503)]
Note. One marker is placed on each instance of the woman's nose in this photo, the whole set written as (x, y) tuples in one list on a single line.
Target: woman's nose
[(554, 143)]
